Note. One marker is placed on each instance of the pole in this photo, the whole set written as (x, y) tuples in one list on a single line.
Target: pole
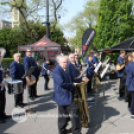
[(47, 18)]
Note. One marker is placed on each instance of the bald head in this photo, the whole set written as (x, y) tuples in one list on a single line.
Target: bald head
[(16, 57), (63, 61)]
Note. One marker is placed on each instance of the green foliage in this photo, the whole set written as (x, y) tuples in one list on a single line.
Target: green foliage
[(7, 61), (82, 21), (115, 23)]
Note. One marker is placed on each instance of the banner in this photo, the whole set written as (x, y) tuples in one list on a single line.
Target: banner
[(87, 39)]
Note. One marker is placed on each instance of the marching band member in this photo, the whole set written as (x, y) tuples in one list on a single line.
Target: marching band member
[(28, 63), (95, 60), (130, 84), (64, 98), (77, 62), (45, 68), (120, 73), (127, 93), (17, 72), (90, 72), (3, 116), (73, 71)]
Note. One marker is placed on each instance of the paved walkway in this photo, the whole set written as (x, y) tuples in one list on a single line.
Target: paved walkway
[(117, 120)]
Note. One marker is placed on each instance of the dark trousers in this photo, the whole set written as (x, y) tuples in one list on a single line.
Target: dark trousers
[(89, 86), (122, 86), (2, 103), (128, 97), (18, 98), (32, 90), (46, 77), (63, 114), (132, 103)]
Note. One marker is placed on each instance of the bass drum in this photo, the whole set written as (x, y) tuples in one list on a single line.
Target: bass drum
[(15, 87)]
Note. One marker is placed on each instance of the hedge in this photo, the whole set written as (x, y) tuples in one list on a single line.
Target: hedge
[(7, 61)]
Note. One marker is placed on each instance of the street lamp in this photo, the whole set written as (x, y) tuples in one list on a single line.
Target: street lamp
[(47, 19)]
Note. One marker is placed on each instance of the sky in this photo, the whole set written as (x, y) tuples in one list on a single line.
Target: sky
[(73, 7)]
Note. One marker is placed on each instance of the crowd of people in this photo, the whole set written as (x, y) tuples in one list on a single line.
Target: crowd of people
[(65, 78)]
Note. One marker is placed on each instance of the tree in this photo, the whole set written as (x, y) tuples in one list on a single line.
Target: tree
[(84, 20), (115, 23)]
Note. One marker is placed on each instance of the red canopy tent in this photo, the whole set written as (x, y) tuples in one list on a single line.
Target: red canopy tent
[(45, 45)]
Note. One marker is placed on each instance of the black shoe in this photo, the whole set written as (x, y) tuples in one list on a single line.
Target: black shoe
[(7, 116), (36, 96), (31, 98), (47, 89), (2, 121), (21, 105)]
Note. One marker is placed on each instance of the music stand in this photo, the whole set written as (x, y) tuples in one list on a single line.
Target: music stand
[(29, 110), (102, 75)]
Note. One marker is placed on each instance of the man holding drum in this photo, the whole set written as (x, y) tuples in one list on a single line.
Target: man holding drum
[(17, 72)]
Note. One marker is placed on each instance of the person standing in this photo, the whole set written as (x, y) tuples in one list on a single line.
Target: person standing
[(127, 93), (77, 62), (64, 98), (120, 73), (130, 84), (73, 71), (28, 63), (90, 72), (3, 115), (45, 72), (95, 60), (17, 72)]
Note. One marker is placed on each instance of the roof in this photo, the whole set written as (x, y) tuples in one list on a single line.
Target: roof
[(127, 45), (41, 45)]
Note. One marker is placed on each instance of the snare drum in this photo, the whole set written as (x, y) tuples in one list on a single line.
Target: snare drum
[(15, 87)]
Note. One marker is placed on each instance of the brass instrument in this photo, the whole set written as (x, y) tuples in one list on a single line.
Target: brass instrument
[(80, 100), (30, 80), (96, 83)]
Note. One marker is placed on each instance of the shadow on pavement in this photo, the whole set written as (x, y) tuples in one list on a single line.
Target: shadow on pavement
[(98, 114)]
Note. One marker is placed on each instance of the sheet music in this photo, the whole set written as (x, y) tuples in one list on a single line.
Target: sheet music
[(97, 67), (104, 71), (107, 60)]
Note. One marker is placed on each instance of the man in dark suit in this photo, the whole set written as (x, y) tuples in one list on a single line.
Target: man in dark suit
[(95, 60), (64, 98), (90, 72), (17, 72), (120, 73), (73, 71), (78, 62), (28, 63)]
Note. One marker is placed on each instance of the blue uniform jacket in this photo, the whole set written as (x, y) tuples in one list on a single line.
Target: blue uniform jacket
[(90, 71), (43, 71), (28, 63), (1, 76), (62, 87), (120, 73), (95, 60), (86, 59), (73, 72), (17, 71), (78, 64), (127, 69), (130, 78)]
